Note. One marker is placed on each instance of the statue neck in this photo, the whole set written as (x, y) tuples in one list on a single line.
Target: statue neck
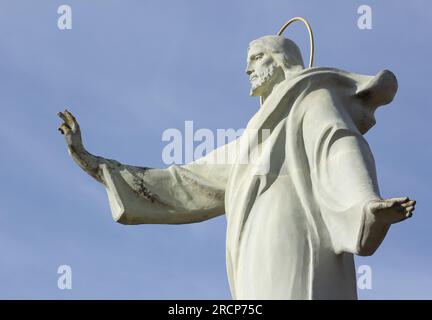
[(279, 77)]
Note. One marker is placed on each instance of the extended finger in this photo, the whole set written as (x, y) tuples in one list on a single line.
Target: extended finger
[(409, 203), (400, 200), (404, 210), (63, 117), (72, 121), (64, 128)]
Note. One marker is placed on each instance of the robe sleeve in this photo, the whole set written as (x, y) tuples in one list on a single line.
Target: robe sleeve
[(178, 194), (343, 174)]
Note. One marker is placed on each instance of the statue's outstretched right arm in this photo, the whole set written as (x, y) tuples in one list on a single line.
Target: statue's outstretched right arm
[(178, 194)]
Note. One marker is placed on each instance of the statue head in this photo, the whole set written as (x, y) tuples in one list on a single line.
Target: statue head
[(270, 60)]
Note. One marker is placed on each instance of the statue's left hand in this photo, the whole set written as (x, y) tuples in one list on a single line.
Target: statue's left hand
[(393, 210)]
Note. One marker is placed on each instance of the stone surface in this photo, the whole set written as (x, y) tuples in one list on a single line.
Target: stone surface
[(300, 201)]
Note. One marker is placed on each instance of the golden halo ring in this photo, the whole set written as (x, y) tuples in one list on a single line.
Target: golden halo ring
[(311, 37)]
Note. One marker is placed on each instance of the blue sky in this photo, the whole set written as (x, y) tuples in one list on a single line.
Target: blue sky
[(129, 70)]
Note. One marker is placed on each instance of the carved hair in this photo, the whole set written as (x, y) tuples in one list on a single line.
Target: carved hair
[(284, 51)]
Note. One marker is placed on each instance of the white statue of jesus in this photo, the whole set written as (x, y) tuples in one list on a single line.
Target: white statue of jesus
[(292, 229)]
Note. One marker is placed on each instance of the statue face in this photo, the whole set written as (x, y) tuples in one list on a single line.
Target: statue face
[(262, 69)]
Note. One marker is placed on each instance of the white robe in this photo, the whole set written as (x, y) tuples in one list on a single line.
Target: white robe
[(292, 230)]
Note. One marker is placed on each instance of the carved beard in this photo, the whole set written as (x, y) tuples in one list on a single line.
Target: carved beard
[(264, 77)]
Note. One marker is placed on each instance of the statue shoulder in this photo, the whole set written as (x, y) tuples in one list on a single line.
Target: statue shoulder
[(362, 94)]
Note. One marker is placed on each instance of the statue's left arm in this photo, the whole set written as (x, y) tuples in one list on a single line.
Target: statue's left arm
[(343, 176)]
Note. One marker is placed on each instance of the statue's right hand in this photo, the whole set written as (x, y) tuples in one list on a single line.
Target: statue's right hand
[(70, 129)]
